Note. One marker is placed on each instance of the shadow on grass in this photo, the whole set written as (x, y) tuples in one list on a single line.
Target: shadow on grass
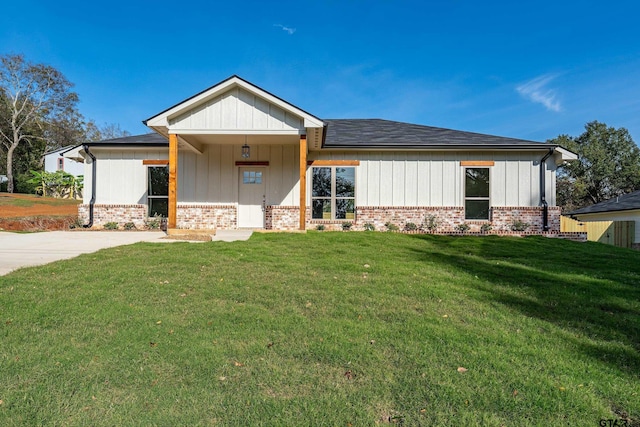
[(595, 294)]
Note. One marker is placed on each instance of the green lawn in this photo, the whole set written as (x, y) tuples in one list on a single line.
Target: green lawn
[(28, 200), (326, 329)]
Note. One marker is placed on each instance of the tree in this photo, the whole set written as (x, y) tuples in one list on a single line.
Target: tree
[(608, 165), (33, 98)]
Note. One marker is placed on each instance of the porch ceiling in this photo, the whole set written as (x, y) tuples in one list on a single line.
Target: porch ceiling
[(234, 139)]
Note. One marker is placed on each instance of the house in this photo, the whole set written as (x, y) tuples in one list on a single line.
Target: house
[(621, 208), (236, 156), (55, 160)]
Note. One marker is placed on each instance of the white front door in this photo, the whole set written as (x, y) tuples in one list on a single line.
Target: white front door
[(251, 197)]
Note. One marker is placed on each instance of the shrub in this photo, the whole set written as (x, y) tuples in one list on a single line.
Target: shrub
[(22, 184), (463, 228), (369, 227), (153, 223), (486, 227), (410, 226), (346, 226), (431, 223), (76, 223), (129, 226), (111, 226), (391, 226), (320, 227), (518, 225)]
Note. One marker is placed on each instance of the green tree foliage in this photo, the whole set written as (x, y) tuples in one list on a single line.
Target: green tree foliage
[(33, 97), (38, 113), (608, 165), (56, 184)]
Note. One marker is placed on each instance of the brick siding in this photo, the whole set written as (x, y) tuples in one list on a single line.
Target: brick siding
[(286, 218)]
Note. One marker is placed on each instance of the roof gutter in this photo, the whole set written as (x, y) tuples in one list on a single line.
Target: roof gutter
[(93, 185), (543, 198)]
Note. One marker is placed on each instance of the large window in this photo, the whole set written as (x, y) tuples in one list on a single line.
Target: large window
[(333, 194), (476, 193), (158, 190)]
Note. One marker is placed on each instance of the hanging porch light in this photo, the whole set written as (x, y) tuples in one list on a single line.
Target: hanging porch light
[(246, 150)]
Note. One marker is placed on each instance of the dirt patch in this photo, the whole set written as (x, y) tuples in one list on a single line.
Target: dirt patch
[(28, 212), (28, 205), (40, 223)]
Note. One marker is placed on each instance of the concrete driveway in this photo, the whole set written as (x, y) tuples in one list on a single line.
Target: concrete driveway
[(29, 249)]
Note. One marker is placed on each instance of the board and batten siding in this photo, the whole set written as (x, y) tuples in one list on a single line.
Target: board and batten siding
[(121, 176), (208, 178), (237, 109), (437, 178), (212, 177), (382, 179)]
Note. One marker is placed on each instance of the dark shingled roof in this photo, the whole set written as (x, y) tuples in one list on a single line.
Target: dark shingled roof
[(378, 133), (621, 203), (148, 139)]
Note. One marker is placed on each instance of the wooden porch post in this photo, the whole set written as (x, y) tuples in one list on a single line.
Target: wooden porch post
[(173, 181), (303, 181)]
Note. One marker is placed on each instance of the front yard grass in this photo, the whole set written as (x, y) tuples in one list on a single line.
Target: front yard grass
[(326, 329)]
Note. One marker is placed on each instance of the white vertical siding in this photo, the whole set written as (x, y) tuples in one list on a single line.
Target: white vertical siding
[(382, 179), (437, 179), (121, 176), (238, 109), (212, 177)]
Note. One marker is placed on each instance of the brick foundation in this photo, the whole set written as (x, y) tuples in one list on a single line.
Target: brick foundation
[(448, 217), (121, 214), (207, 217), (286, 218), (503, 218)]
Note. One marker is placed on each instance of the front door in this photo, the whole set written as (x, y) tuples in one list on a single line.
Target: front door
[(251, 197)]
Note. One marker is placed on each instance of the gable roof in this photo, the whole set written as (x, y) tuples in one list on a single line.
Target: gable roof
[(624, 202), (162, 119), (378, 133), (61, 150)]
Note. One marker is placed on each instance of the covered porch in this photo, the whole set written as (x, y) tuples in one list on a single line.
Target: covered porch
[(237, 159)]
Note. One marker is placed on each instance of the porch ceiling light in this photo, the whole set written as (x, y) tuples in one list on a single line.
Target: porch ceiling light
[(246, 150)]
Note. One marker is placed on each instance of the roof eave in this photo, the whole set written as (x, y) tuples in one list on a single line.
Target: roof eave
[(637, 208), (475, 147)]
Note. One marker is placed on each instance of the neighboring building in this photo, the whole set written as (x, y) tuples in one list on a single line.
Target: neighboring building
[(621, 208), (55, 161), (236, 156)]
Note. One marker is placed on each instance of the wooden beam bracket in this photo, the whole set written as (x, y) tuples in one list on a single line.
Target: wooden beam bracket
[(477, 163), (155, 162), (333, 162)]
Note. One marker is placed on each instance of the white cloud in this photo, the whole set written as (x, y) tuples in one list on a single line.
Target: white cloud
[(536, 90), (287, 29)]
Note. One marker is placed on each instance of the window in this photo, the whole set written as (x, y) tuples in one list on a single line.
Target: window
[(158, 191), (60, 163), (476, 193), (333, 192), (251, 177)]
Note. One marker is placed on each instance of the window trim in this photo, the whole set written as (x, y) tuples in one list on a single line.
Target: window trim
[(333, 198), (60, 163), (488, 198)]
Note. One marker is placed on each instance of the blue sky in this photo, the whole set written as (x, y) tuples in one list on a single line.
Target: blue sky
[(524, 69)]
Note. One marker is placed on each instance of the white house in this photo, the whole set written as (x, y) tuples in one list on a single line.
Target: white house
[(55, 161), (236, 156)]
